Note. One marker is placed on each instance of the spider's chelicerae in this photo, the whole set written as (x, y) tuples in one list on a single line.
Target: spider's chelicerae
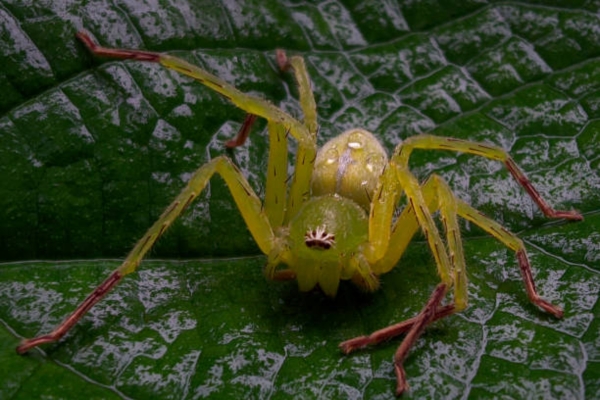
[(345, 229)]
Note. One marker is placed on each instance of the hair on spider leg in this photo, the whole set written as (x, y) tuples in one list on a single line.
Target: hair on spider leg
[(368, 194), (289, 178)]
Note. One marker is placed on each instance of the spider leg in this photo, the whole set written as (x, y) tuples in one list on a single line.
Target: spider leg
[(303, 133), (450, 207), (276, 185), (389, 332), (436, 195), (304, 159), (247, 202), (274, 205), (425, 317), (430, 142), (444, 261), (248, 103), (420, 207), (433, 195), (401, 234), (243, 133), (383, 205), (307, 99), (511, 241), (414, 328)]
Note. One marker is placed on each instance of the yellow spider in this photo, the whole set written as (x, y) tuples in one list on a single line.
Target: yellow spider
[(334, 219)]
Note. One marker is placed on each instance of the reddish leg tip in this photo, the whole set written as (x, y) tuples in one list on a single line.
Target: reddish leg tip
[(551, 308), (559, 313), (401, 388), (282, 60), (243, 133), (401, 384), (124, 54), (22, 348), (86, 39), (536, 196), (28, 344), (230, 144), (351, 345), (571, 215)]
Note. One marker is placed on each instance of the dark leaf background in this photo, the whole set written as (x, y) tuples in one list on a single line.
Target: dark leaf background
[(91, 151)]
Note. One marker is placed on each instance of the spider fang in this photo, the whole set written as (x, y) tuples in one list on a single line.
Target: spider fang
[(319, 238)]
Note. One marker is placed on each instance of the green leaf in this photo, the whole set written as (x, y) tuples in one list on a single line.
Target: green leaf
[(92, 151)]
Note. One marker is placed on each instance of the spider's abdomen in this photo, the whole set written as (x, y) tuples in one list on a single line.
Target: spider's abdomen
[(323, 236), (349, 165)]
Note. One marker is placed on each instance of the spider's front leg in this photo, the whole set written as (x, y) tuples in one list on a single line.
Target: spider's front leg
[(390, 246), (397, 240), (246, 200), (260, 218)]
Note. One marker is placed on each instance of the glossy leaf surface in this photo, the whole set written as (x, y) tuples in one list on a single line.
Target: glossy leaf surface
[(92, 151)]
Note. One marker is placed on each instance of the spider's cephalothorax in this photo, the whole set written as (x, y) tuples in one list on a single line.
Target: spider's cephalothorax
[(336, 218), (347, 169)]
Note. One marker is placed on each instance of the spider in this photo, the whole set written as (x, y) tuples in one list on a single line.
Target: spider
[(337, 218)]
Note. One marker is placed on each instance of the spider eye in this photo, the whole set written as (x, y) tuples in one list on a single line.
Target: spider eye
[(319, 238), (332, 156), (375, 162), (356, 140)]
